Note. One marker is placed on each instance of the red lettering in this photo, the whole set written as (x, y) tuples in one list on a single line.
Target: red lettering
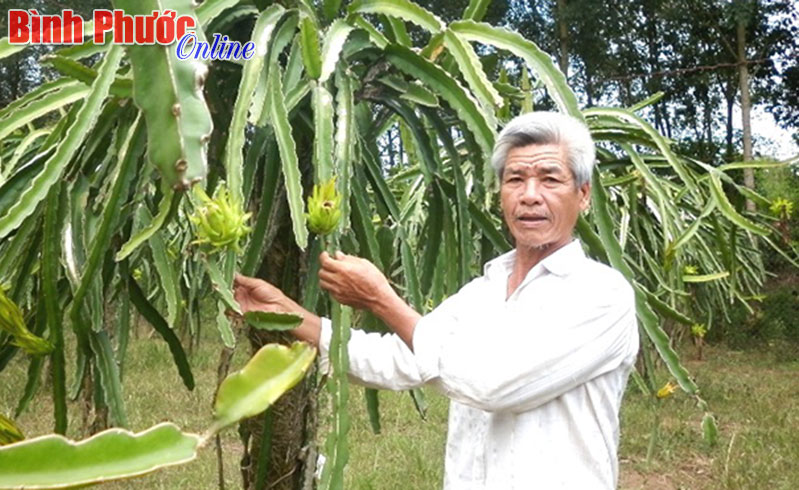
[(103, 22), (18, 31), (145, 28), (165, 27), (36, 27), (185, 23), (51, 29), (73, 28), (123, 27)]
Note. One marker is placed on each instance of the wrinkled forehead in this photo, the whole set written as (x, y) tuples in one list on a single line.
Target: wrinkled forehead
[(537, 159)]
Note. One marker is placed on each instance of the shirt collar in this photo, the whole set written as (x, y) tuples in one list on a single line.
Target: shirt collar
[(561, 262), (564, 260)]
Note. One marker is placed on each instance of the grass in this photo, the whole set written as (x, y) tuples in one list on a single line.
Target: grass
[(752, 392)]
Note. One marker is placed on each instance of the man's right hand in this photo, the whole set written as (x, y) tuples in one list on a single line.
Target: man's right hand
[(254, 294)]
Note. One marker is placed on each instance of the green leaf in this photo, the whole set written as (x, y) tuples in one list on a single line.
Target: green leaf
[(279, 119), (168, 277), (373, 408), (420, 137), (9, 193), (55, 165), (23, 147), (411, 276), (395, 29), (166, 208), (261, 34), (132, 149), (7, 49), (272, 321), (9, 432), (761, 164), (689, 232), (323, 134), (106, 366), (51, 252), (476, 10), (403, 9), (37, 93), (647, 318), (629, 118), (53, 461), (255, 249), (311, 55), (484, 222), (465, 240), (210, 9), (447, 87), (48, 102), (336, 448), (362, 223), (12, 323), (158, 323), (330, 8), (539, 61), (282, 37), (170, 93), (223, 325), (710, 431), (272, 371), (727, 209), (31, 388), (377, 37), (472, 71), (705, 277), (345, 142), (223, 288), (666, 310), (652, 99), (419, 95), (335, 38), (122, 87)]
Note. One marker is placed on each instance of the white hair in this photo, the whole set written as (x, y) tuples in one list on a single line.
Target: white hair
[(544, 128)]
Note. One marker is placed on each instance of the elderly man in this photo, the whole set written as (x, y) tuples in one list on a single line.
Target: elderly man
[(534, 354)]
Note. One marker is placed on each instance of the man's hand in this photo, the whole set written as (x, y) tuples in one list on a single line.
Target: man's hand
[(257, 295), (353, 281), (358, 283)]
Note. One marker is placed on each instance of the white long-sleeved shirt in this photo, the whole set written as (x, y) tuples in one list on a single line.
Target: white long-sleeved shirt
[(536, 379)]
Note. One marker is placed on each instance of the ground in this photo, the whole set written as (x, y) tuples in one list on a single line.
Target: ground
[(753, 394)]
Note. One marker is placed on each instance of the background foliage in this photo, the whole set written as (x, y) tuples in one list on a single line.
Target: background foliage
[(402, 106)]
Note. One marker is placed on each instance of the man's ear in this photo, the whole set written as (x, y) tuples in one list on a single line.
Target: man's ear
[(585, 196)]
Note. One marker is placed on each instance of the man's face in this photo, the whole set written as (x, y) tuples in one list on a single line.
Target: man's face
[(540, 201)]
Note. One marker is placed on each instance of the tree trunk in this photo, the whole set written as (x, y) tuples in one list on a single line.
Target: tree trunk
[(653, 52), (746, 106), (563, 38), (279, 445), (729, 97)]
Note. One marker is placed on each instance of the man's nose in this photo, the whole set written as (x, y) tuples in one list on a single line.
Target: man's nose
[(532, 191)]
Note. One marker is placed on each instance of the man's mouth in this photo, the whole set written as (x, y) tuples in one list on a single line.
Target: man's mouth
[(531, 218)]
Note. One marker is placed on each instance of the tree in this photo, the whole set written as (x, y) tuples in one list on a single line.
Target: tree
[(135, 155)]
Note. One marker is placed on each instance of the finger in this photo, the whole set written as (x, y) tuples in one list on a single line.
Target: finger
[(325, 276), (247, 282), (327, 285), (340, 255), (328, 263)]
